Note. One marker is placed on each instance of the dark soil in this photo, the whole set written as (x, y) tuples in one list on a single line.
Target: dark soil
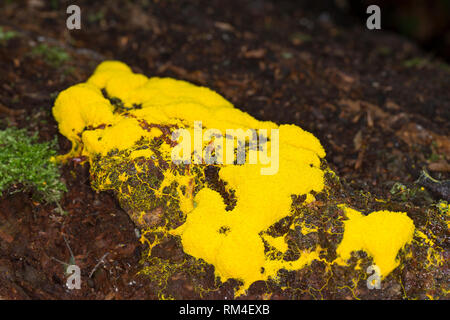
[(379, 105)]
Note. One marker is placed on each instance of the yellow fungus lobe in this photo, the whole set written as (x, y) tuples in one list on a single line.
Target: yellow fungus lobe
[(381, 234), (122, 122)]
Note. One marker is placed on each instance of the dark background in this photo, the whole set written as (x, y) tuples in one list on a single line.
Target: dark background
[(427, 22)]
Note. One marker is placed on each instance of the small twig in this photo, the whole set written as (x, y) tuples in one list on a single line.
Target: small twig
[(98, 264), (440, 189), (70, 250), (62, 262)]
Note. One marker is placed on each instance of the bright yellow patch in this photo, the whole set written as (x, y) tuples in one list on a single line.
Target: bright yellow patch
[(229, 240), (381, 234)]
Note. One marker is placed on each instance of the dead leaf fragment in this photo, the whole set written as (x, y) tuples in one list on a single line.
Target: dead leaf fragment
[(413, 133), (391, 105), (255, 54), (224, 26), (440, 166), (357, 140)]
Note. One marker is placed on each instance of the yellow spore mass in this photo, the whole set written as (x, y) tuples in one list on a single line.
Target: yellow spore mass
[(381, 234), (231, 240)]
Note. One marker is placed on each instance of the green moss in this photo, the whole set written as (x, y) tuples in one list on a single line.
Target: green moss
[(25, 164), (6, 35), (53, 56), (415, 62)]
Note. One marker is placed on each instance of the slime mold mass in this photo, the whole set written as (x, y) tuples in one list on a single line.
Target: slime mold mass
[(247, 225)]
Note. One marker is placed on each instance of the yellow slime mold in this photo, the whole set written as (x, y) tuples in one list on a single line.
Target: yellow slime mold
[(230, 240), (381, 234)]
